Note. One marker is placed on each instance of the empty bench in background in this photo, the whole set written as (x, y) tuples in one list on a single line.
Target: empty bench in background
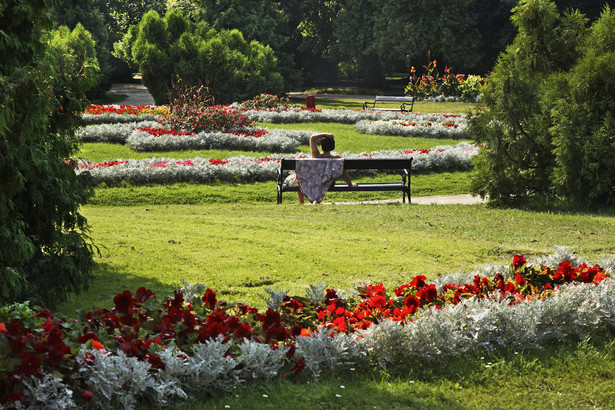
[(404, 165), (402, 100)]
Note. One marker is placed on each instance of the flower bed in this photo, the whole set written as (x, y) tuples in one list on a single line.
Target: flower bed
[(247, 169), (153, 136), (299, 114), (159, 351), (426, 129), (103, 114)]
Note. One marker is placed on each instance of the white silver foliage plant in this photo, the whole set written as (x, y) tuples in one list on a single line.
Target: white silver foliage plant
[(47, 392), (249, 169), (259, 361), (209, 367), (274, 297), (424, 129), (115, 379), (343, 116), (326, 350), (274, 140)]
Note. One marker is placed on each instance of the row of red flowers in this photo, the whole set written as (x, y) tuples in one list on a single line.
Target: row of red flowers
[(140, 325)]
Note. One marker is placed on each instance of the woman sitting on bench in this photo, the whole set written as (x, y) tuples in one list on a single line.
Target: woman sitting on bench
[(327, 143)]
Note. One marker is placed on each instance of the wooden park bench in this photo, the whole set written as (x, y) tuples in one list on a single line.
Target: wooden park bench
[(402, 164), (402, 100)]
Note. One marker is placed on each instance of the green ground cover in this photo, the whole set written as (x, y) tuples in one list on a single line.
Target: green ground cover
[(236, 240)]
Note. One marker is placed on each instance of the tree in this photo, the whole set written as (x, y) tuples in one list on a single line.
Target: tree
[(166, 47), (355, 39), (393, 34), (90, 15), (260, 20), (582, 106), (516, 158), (45, 253)]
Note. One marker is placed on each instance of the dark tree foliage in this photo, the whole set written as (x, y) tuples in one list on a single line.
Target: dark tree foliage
[(94, 18), (233, 69), (582, 105), (265, 21), (548, 125), (516, 159), (44, 253)]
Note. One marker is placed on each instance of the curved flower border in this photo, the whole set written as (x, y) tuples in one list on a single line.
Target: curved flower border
[(249, 169), (426, 129), (169, 350), (298, 114), (284, 114), (153, 136)]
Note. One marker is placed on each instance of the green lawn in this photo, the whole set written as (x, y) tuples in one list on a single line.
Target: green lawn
[(236, 240)]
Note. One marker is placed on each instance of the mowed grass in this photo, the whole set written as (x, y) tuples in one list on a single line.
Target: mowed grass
[(234, 239), (240, 249)]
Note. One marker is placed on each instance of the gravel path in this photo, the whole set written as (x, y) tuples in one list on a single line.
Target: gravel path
[(137, 94), (463, 199)]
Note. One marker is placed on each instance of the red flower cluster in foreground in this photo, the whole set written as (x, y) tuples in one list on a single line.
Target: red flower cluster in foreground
[(140, 324)]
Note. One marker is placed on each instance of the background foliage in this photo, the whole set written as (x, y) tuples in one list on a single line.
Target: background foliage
[(232, 68), (44, 253), (547, 123)]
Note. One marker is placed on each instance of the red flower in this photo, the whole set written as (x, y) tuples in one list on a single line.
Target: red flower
[(87, 395), (155, 361), (124, 301), (143, 294), (30, 364), (418, 282), (412, 303), (518, 262), (299, 366), (272, 326), (210, 298), (427, 294)]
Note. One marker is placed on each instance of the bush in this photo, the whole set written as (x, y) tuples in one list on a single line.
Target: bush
[(45, 253), (264, 101), (191, 110), (232, 68), (583, 110), (516, 158)]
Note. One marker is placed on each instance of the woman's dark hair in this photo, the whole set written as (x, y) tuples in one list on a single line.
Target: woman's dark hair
[(328, 143)]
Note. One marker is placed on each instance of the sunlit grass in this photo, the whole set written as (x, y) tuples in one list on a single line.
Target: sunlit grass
[(239, 249)]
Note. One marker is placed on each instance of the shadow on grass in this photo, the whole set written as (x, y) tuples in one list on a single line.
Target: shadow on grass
[(553, 205), (105, 284)]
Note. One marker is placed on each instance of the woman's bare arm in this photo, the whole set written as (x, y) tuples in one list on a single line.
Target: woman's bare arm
[(314, 146)]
